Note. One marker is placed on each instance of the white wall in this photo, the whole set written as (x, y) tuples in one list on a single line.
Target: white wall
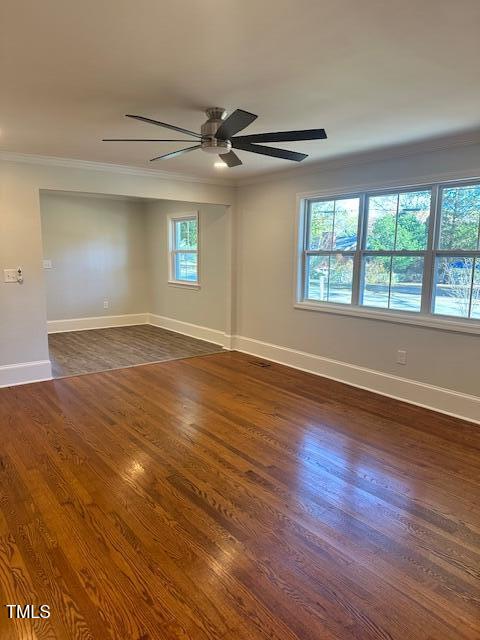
[(265, 266), (205, 306), (97, 249)]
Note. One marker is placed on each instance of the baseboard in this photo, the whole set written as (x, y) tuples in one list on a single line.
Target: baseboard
[(25, 372), (96, 322), (193, 330), (453, 403)]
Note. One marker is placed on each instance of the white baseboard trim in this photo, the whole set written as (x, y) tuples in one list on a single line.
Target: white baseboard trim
[(193, 330), (453, 403), (25, 372), (96, 322)]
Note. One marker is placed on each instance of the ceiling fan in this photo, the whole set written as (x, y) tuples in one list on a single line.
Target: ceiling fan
[(218, 136)]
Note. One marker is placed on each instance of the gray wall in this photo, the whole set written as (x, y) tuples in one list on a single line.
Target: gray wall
[(205, 306), (97, 249), (265, 280)]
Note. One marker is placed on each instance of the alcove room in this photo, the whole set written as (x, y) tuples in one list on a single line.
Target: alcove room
[(116, 266)]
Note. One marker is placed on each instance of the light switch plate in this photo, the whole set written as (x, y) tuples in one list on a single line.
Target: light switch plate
[(47, 264), (10, 275)]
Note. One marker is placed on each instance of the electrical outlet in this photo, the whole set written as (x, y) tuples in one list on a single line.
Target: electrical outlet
[(401, 356), (106, 304)]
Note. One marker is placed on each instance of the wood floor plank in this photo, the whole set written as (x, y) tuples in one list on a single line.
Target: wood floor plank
[(212, 498)]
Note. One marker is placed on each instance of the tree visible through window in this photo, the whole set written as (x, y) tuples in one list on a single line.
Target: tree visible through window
[(331, 244), (457, 272), (396, 251), (396, 242), (184, 249)]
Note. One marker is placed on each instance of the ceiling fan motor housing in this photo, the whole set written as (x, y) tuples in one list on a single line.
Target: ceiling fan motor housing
[(210, 144)]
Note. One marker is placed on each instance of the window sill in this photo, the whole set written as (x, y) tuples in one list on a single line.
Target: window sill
[(183, 285), (434, 322)]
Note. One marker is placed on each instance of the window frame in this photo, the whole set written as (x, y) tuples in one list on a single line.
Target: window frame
[(426, 316), (172, 219)]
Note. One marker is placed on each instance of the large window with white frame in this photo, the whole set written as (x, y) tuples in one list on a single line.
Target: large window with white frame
[(183, 249), (412, 251)]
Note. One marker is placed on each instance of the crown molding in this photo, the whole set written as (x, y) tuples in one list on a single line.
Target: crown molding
[(368, 157), (338, 162), (72, 163)]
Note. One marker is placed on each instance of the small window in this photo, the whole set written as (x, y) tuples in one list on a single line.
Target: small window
[(184, 249)]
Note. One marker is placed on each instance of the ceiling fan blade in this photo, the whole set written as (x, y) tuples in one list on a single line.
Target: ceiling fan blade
[(231, 159), (268, 151), (164, 124), (142, 140), (235, 122), (285, 136), (173, 154)]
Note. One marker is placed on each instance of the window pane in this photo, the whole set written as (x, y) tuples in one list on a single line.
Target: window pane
[(340, 280), (186, 267), (320, 234), (460, 218), (317, 277), (412, 221), (186, 234), (382, 215), (406, 284), (346, 224), (329, 278), (453, 286), (376, 279), (333, 225), (398, 221)]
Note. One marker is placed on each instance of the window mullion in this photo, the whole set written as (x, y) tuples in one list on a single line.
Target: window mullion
[(429, 261), (357, 259)]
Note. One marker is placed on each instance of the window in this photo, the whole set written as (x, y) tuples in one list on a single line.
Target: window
[(413, 252), (183, 252), (396, 241), (457, 255), (331, 241)]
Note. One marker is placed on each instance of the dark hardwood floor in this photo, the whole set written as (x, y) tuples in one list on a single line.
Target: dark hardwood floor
[(76, 352), (214, 498)]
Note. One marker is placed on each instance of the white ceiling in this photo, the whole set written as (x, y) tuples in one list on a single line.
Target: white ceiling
[(373, 73)]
